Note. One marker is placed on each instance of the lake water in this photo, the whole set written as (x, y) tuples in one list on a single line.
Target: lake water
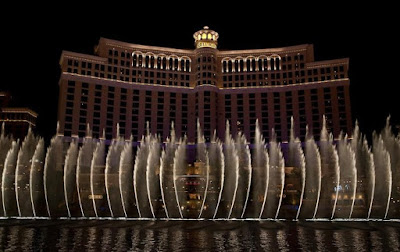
[(130, 235)]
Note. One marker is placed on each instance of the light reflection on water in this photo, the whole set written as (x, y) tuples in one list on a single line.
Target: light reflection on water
[(106, 235)]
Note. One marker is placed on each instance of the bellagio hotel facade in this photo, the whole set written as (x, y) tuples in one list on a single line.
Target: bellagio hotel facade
[(130, 85)]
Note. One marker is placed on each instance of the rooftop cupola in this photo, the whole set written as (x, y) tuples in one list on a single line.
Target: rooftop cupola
[(206, 38)]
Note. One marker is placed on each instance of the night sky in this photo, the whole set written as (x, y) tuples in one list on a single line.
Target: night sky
[(368, 35)]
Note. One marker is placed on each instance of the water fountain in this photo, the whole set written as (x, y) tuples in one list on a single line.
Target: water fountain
[(233, 179)]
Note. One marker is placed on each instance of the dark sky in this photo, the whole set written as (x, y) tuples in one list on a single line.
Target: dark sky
[(33, 41)]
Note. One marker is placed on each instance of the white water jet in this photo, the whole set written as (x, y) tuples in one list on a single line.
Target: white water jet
[(8, 180), (202, 158), (97, 177), (277, 163), (36, 178), (166, 176), (392, 145), (261, 169), (207, 165), (365, 167), (140, 168), (22, 174), (125, 179), (299, 161), (231, 171), (111, 175), (53, 178), (85, 157), (179, 170), (348, 173), (5, 145), (246, 170), (69, 179), (383, 183), (335, 160), (152, 173), (217, 146)]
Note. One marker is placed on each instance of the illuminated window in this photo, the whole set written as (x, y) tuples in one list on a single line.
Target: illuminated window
[(209, 36), (204, 36)]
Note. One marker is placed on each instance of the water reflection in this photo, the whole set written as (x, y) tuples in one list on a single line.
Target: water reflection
[(17, 235)]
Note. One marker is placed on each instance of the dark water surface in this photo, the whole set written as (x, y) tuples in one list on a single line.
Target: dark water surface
[(123, 235)]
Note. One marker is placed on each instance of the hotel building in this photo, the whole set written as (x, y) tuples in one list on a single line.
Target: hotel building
[(16, 120), (132, 84)]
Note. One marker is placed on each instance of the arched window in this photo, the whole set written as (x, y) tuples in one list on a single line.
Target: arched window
[(248, 65), (272, 63), (230, 68), (152, 61), (265, 64), (241, 65), (134, 60), (236, 66), (147, 62), (158, 66), (260, 65), (183, 65), (253, 65), (140, 60), (176, 64), (164, 63), (188, 66), (170, 61), (224, 66), (277, 63)]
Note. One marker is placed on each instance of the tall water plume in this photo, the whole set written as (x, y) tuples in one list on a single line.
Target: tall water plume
[(297, 176), (383, 182), (365, 173), (8, 181), (139, 177), (54, 178), (70, 188), (125, 179), (5, 145), (260, 176), (97, 181), (22, 174), (179, 172), (85, 157), (392, 145), (277, 179), (111, 173), (153, 176), (330, 174), (36, 181), (348, 179), (231, 176), (166, 176)]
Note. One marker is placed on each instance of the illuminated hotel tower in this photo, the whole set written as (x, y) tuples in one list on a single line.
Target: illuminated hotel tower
[(131, 84)]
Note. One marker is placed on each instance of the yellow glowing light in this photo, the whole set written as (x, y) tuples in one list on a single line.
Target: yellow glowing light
[(204, 36), (206, 44)]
